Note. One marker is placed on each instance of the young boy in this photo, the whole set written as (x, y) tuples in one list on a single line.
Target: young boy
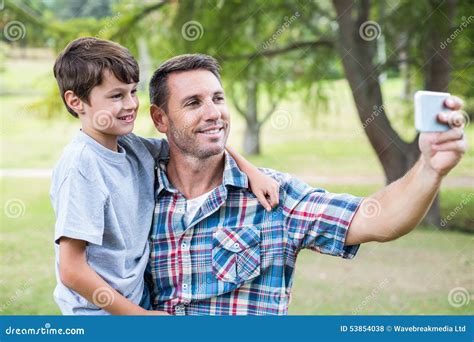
[(102, 189)]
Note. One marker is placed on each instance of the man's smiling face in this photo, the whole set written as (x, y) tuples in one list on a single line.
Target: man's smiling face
[(197, 113)]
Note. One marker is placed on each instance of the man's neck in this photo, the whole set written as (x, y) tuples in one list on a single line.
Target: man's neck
[(192, 176)]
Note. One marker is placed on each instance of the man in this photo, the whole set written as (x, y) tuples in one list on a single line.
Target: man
[(231, 257)]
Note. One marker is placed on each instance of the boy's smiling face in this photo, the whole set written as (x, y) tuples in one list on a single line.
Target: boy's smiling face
[(111, 112)]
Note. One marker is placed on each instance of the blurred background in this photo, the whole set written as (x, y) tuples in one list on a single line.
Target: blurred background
[(319, 89)]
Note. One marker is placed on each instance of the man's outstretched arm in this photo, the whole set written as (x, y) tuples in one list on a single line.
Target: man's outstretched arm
[(399, 207)]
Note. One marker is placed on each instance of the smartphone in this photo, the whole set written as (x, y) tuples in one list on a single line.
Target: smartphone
[(427, 106)]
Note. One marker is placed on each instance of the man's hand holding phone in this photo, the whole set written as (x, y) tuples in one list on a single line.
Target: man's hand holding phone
[(439, 119)]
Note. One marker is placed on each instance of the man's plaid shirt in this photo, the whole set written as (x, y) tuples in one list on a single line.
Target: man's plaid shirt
[(235, 258)]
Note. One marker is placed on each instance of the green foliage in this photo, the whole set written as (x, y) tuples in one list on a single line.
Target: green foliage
[(66, 9)]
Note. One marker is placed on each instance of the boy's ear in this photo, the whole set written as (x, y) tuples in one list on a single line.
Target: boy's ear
[(159, 117), (74, 102)]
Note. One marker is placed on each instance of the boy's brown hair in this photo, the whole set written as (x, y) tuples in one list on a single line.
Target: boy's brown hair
[(81, 65)]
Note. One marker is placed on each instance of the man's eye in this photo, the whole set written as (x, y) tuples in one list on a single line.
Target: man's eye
[(219, 98), (192, 103)]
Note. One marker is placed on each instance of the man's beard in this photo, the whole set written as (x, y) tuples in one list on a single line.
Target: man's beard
[(188, 145)]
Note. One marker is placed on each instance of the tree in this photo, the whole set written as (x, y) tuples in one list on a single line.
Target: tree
[(255, 66), (357, 52)]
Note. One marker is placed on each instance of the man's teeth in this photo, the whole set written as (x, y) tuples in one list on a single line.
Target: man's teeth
[(212, 131)]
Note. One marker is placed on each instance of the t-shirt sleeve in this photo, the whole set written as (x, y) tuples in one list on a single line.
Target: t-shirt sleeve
[(80, 209), (319, 220)]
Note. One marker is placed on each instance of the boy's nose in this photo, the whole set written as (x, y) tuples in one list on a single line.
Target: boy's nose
[(130, 102)]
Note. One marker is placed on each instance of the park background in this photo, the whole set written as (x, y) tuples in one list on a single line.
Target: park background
[(322, 90)]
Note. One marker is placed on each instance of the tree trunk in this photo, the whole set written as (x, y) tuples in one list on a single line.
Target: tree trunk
[(252, 129), (403, 66), (252, 140), (438, 72), (358, 56), (145, 63)]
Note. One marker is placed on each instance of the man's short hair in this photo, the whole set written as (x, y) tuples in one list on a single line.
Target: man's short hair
[(81, 65), (159, 92)]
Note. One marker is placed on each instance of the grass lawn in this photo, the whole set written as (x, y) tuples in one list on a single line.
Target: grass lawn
[(412, 275)]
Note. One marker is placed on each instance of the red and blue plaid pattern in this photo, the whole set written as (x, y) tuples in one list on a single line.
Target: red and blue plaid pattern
[(235, 258)]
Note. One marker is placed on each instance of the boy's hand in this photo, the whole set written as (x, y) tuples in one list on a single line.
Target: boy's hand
[(265, 188)]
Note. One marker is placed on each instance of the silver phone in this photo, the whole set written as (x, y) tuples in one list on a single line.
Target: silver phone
[(427, 106)]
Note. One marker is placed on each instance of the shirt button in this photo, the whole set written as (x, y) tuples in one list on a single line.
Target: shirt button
[(184, 245), (180, 210), (185, 286), (236, 246)]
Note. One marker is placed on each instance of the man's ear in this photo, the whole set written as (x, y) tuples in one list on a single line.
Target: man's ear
[(160, 119), (74, 102)]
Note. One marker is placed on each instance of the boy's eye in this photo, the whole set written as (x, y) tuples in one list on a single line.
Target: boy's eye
[(116, 96), (134, 91)]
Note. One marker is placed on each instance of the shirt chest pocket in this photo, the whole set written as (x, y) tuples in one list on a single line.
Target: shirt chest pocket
[(236, 254)]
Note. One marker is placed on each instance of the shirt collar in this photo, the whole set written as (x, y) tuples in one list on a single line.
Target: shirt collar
[(232, 176)]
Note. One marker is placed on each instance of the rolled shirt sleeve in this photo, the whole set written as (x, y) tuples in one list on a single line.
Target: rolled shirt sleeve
[(319, 220)]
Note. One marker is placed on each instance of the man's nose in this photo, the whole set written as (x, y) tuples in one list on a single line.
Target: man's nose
[(211, 111)]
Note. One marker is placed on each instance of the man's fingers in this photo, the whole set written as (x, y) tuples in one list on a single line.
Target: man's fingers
[(453, 102), (455, 146), (452, 134), (453, 119)]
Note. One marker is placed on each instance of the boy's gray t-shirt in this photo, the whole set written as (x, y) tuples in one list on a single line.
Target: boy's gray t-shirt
[(106, 198)]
